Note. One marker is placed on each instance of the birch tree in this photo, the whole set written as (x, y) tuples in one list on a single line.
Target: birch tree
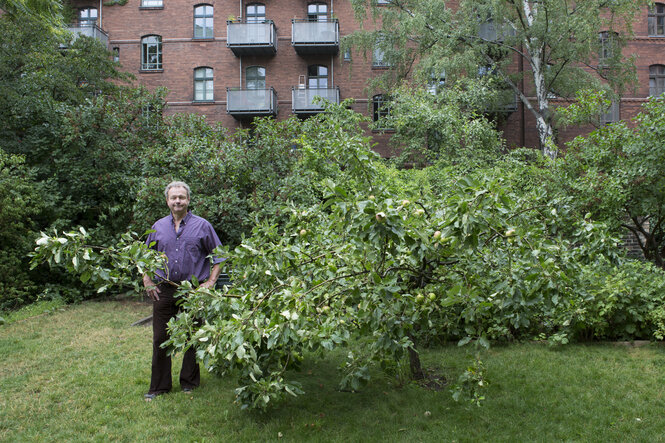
[(541, 50)]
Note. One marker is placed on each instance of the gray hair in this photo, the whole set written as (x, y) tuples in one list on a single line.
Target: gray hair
[(176, 184)]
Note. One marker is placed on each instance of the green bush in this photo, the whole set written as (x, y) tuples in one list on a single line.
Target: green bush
[(620, 302), (20, 201)]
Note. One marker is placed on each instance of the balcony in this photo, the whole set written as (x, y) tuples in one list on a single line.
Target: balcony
[(505, 103), (93, 31), (302, 99), (315, 37), (248, 103), (258, 38)]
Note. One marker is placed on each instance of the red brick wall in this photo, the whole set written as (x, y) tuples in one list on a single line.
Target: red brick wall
[(181, 54)]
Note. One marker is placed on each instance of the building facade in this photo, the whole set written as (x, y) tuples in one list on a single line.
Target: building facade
[(234, 60)]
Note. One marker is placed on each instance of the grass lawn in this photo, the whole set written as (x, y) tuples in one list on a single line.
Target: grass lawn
[(79, 374)]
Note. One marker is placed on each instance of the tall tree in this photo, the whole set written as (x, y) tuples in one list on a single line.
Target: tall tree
[(48, 12), (539, 49)]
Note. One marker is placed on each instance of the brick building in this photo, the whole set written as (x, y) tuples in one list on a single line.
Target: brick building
[(234, 60)]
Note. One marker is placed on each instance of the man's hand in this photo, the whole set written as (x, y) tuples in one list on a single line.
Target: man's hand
[(151, 288), (208, 284), (212, 280)]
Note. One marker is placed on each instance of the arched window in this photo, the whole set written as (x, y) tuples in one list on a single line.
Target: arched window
[(87, 17), (317, 12), (203, 84), (255, 13), (656, 80), (656, 21), (255, 77), (203, 21), (317, 77), (151, 52)]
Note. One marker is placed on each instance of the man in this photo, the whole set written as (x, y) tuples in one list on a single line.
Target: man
[(187, 240)]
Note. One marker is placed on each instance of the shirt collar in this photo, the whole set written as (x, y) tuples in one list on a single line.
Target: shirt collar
[(184, 221)]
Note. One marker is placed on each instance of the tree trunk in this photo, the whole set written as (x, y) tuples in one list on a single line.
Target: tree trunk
[(414, 362)]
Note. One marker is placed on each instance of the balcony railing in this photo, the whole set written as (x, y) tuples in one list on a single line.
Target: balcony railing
[(315, 37), (302, 99), (504, 103), (93, 31), (251, 38), (244, 103)]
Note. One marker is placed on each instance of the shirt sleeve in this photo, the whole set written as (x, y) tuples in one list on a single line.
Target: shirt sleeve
[(211, 241)]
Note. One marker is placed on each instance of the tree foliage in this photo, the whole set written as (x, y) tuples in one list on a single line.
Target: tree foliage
[(616, 173), (382, 265), (556, 42), (78, 131)]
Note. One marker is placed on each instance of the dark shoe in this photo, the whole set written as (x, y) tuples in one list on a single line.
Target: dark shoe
[(150, 397)]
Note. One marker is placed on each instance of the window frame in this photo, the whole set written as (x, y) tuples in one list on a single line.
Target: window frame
[(146, 65), (207, 82), (656, 15), (321, 81), (317, 15), (612, 115), (207, 18), (87, 21), (655, 78), (436, 82), (255, 17), (379, 55), (152, 4), (379, 109), (257, 78), (607, 42)]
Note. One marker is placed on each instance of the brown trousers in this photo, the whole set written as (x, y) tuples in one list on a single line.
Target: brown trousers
[(160, 382)]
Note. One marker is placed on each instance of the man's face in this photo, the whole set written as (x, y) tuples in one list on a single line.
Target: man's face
[(177, 200)]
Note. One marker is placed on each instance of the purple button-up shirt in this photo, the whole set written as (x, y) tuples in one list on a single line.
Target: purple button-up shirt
[(187, 249)]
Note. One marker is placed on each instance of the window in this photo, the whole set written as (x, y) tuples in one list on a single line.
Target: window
[(151, 53), (152, 4), (203, 21), (255, 77), (317, 12), (87, 17), (436, 82), (347, 55), (656, 80), (317, 77), (607, 45), (612, 115), (203, 86), (656, 21), (380, 107), (116, 54), (379, 56), (256, 13)]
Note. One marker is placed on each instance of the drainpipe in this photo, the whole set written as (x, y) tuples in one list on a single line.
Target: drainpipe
[(520, 65), (100, 15)]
